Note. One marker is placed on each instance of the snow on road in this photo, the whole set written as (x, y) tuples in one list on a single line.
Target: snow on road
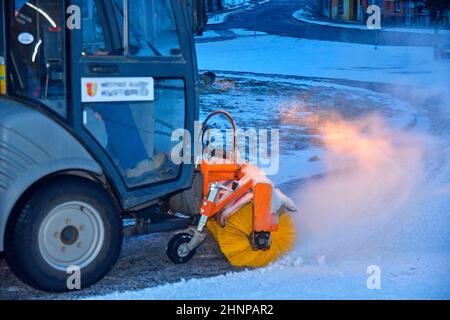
[(395, 218), (314, 58), (259, 101), (291, 278)]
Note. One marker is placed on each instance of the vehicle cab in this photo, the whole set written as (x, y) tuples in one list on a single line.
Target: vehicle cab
[(91, 92), (122, 83)]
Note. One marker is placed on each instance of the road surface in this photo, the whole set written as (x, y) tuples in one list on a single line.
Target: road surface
[(275, 17)]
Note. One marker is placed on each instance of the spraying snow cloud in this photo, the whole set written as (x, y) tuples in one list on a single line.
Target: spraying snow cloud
[(372, 171)]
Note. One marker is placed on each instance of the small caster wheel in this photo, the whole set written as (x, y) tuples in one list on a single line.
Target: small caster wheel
[(177, 249)]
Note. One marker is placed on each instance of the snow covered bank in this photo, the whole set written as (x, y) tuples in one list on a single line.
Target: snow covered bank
[(305, 16), (313, 58)]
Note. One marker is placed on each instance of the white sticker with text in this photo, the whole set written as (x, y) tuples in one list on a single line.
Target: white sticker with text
[(117, 89)]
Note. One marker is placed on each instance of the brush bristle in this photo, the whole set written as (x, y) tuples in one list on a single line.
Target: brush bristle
[(234, 239)]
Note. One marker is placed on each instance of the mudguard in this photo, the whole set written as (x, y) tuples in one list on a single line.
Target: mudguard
[(33, 146)]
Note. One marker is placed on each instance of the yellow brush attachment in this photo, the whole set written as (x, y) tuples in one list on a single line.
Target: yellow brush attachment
[(234, 239)]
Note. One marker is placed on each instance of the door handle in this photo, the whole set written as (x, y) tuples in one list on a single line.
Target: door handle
[(103, 69)]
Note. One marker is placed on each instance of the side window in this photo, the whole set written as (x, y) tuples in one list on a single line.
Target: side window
[(37, 52), (137, 135), (153, 30)]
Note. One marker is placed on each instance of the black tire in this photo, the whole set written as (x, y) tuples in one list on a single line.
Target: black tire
[(23, 251), (175, 243)]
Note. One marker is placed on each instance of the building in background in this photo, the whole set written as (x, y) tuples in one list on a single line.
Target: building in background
[(393, 12)]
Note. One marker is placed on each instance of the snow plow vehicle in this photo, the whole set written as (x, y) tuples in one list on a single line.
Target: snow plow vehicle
[(91, 92)]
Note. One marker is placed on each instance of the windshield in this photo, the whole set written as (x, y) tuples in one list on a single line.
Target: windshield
[(152, 30)]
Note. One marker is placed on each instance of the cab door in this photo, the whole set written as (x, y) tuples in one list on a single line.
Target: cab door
[(133, 84)]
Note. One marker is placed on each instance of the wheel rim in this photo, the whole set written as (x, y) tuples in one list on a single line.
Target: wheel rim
[(183, 250), (72, 234)]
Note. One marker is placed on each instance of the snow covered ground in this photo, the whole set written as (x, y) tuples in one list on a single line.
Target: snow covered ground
[(391, 209), (313, 58), (292, 278)]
